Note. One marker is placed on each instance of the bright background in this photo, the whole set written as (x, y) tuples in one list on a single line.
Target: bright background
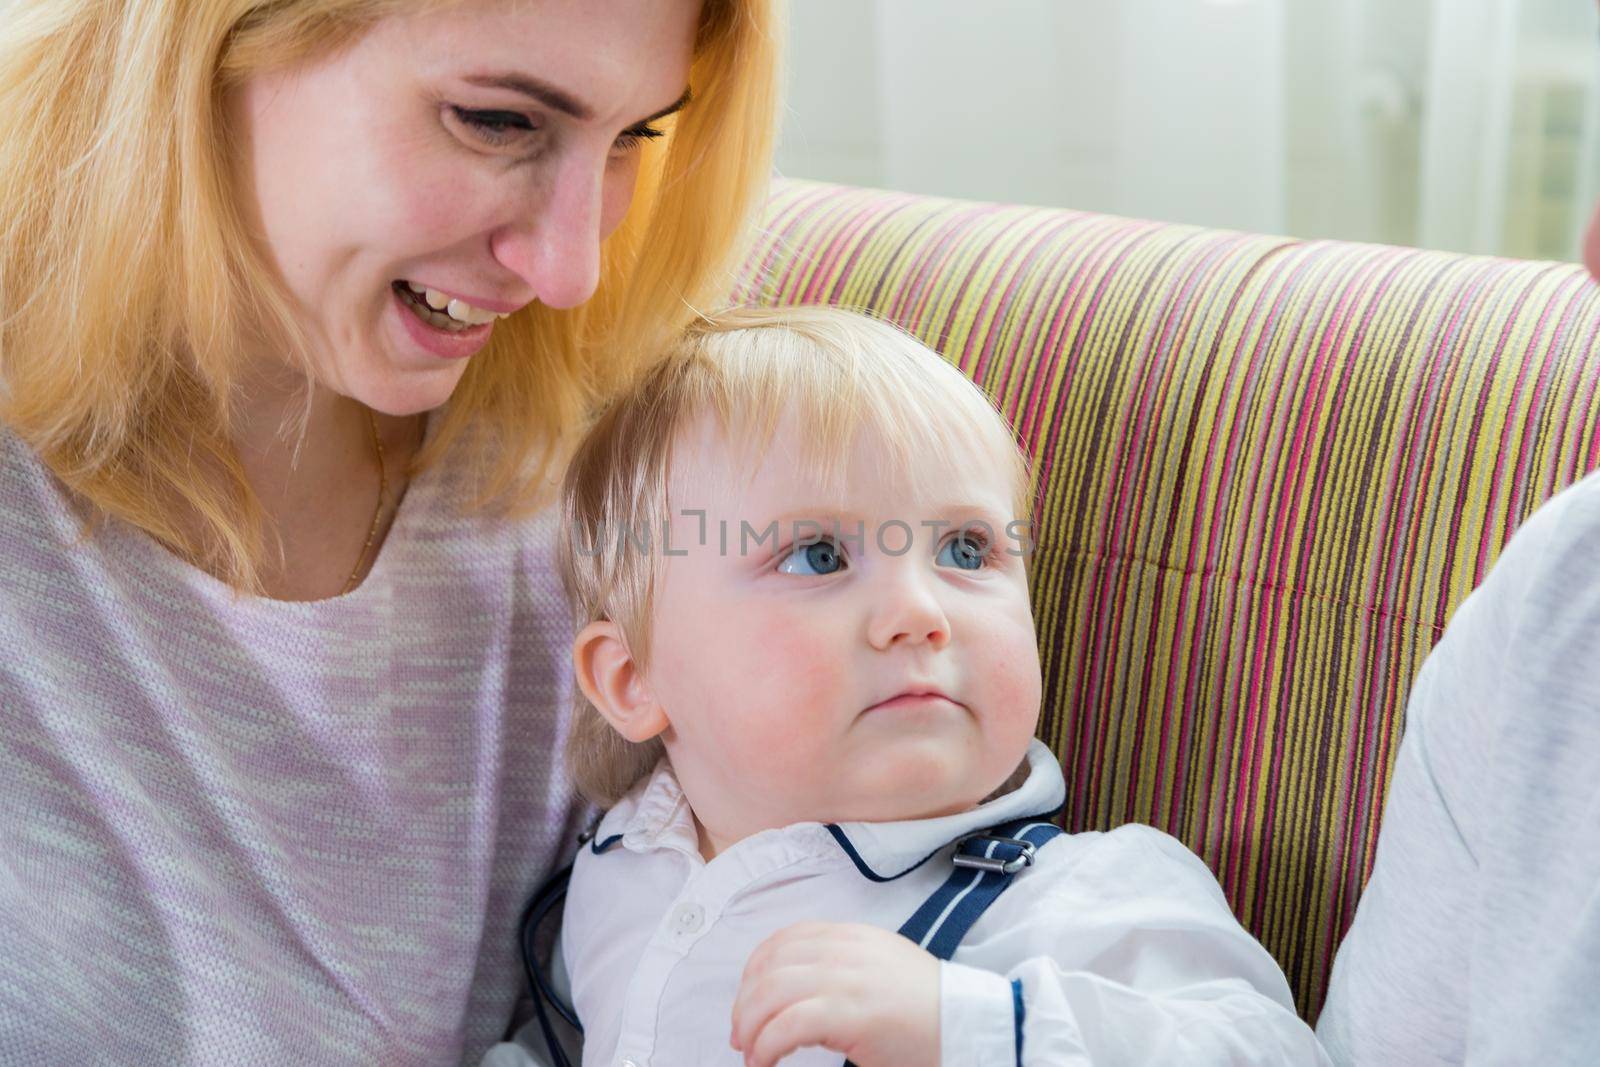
[(1468, 125)]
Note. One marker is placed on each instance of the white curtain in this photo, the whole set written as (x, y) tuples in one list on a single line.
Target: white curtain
[(1461, 124), (1508, 142)]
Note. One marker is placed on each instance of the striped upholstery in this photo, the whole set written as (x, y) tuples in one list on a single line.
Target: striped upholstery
[(1270, 471)]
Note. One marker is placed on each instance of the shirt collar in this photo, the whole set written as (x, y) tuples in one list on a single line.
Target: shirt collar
[(653, 815), (883, 851), (656, 815)]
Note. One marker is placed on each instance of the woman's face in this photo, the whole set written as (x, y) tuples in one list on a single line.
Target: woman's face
[(482, 152)]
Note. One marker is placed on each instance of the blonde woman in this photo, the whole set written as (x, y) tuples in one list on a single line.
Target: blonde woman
[(300, 303)]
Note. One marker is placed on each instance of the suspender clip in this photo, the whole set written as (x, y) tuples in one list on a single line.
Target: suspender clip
[(997, 864)]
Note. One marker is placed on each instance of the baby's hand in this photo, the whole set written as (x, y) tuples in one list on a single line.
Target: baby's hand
[(859, 990)]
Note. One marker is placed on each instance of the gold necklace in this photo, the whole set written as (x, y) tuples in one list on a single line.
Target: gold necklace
[(377, 514)]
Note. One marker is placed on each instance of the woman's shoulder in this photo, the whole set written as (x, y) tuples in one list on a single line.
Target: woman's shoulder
[(33, 508), (1529, 630), (1552, 585), (18, 463), (1550, 569), (1519, 655), (1574, 512)]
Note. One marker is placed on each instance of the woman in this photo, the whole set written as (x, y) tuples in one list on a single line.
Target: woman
[(284, 671), (1478, 937)]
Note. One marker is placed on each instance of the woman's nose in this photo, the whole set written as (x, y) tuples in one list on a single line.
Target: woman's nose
[(554, 246), (906, 611)]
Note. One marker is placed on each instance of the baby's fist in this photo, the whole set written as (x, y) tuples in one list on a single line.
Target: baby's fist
[(861, 991)]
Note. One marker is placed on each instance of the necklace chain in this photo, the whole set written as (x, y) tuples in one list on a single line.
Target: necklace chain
[(377, 513)]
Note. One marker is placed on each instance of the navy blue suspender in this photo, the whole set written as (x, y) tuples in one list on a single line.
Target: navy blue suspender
[(984, 866), (552, 893)]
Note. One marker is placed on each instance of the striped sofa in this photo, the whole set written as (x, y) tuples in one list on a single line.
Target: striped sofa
[(1269, 472)]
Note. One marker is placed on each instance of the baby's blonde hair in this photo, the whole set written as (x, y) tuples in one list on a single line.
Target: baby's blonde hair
[(836, 372)]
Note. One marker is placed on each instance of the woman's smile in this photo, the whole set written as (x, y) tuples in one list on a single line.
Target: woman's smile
[(436, 333)]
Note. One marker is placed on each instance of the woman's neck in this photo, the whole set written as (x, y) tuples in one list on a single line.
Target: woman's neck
[(319, 489)]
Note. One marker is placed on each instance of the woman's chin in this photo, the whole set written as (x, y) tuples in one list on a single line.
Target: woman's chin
[(404, 391)]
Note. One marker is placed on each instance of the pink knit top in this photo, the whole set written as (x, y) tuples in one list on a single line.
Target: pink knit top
[(247, 831)]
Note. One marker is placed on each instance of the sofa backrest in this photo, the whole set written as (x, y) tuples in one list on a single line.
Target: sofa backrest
[(1269, 472)]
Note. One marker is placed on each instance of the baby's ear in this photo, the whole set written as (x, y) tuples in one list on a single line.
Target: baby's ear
[(611, 680)]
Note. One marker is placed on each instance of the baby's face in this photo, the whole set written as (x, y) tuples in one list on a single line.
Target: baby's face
[(782, 669)]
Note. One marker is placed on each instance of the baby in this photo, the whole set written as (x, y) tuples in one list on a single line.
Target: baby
[(797, 557)]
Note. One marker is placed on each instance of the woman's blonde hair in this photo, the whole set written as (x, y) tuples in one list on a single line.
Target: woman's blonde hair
[(835, 372), (128, 282)]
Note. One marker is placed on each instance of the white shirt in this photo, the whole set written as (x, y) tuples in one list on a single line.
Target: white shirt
[(1478, 938), (1124, 945)]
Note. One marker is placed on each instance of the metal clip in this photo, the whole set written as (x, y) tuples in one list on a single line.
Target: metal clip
[(994, 863)]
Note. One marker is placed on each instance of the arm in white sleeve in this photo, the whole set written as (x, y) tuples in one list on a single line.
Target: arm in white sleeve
[(1403, 980), (1122, 953)]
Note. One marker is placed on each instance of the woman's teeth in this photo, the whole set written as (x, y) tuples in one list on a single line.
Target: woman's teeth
[(437, 309)]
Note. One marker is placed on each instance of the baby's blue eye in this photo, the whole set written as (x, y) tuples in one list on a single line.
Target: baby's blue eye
[(816, 557), (964, 551)]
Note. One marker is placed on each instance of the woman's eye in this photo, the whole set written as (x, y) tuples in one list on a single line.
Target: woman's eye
[(494, 127), (814, 557), (499, 128), (965, 551), (628, 140)]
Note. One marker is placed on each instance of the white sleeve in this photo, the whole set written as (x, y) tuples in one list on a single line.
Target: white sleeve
[(1128, 955), (1408, 971)]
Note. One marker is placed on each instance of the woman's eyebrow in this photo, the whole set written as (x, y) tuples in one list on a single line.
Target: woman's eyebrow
[(558, 99), (672, 108)]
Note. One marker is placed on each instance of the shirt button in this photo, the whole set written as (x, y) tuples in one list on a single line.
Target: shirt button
[(627, 1063), (688, 918)]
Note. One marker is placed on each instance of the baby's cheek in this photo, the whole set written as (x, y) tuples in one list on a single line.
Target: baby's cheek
[(796, 676), (1015, 683), (796, 644)]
